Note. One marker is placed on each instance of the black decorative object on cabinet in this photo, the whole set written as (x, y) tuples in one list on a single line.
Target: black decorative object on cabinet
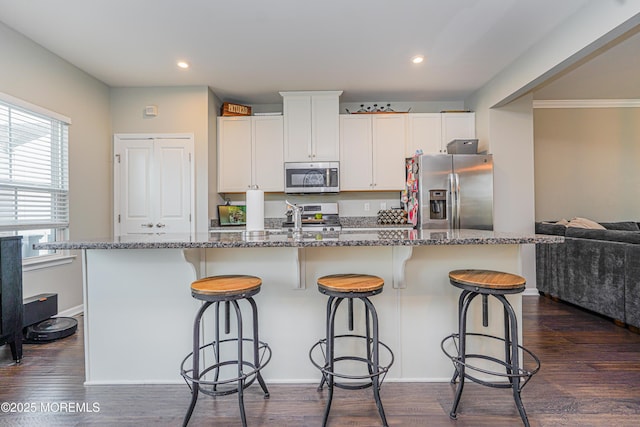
[(11, 306)]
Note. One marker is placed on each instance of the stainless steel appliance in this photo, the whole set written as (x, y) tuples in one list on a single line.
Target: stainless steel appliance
[(450, 191), (311, 177), (318, 217)]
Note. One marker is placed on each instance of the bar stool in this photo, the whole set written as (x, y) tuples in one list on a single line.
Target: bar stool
[(514, 376), (339, 287), (228, 290)]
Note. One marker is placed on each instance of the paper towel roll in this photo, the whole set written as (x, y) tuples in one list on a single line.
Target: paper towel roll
[(255, 210)]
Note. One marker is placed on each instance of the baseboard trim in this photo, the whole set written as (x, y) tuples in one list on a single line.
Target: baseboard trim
[(530, 292), (70, 312)]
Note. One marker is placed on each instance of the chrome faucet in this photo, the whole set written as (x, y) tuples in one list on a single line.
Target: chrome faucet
[(297, 217)]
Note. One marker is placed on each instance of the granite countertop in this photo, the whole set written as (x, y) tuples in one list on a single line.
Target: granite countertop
[(364, 237)]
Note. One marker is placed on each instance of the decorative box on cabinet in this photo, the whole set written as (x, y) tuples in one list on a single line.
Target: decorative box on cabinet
[(250, 152), (11, 310), (372, 152), (311, 126)]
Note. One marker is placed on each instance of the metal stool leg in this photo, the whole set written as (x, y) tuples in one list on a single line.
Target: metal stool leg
[(240, 361), (256, 345), (334, 303), (216, 346), (195, 387), (465, 299), (514, 361), (323, 380), (376, 357), (460, 304)]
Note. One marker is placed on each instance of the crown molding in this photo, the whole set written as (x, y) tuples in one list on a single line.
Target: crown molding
[(586, 103)]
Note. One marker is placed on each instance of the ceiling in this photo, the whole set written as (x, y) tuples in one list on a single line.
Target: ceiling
[(247, 51)]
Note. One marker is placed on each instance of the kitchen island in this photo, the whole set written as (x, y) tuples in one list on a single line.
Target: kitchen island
[(139, 310)]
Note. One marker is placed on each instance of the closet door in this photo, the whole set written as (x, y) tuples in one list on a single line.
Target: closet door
[(153, 185)]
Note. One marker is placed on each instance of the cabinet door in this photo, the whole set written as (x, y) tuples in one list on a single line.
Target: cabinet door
[(424, 133), (325, 127), (234, 154), (268, 153), (297, 128), (457, 126), (356, 160), (153, 182), (388, 152)]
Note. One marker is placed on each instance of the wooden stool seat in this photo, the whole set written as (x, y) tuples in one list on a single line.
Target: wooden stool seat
[(225, 285), (487, 279), (351, 283)]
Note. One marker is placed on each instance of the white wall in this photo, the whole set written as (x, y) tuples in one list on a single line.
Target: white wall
[(180, 110), (35, 75), (587, 163), (508, 131)]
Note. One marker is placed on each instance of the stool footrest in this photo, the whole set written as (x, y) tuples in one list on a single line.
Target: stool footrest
[(374, 371), (510, 370), (249, 377)]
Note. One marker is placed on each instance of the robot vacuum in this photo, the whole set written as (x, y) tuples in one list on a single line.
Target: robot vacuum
[(51, 329)]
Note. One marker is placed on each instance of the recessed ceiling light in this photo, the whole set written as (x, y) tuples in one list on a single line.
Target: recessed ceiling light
[(183, 64), (417, 59)]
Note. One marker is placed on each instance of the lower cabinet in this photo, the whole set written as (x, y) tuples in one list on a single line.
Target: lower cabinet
[(250, 152), (372, 152)]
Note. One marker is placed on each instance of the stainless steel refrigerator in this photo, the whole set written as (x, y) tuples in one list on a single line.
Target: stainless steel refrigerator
[(450, 191)]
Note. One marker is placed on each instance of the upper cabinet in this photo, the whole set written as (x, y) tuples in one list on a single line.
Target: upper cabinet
[(311, 126), (431, 132), (424, 132), (372, 152), (250, 152)]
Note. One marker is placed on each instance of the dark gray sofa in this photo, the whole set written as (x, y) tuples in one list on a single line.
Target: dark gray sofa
[(595, 269)]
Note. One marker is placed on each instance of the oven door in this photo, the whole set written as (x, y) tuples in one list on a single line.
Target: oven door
[(304, 178)]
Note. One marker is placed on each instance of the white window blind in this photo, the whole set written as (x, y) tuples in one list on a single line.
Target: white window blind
[(34, 178)]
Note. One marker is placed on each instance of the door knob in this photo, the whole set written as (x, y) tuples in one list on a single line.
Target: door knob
[(149, 225), (160, 225)]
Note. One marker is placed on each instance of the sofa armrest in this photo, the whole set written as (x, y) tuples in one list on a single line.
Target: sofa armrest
[(549, 228)]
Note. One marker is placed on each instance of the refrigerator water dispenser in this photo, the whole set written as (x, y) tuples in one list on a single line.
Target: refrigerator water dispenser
[(437, 204)]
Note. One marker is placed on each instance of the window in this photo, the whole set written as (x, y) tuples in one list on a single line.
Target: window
[(34, 177)]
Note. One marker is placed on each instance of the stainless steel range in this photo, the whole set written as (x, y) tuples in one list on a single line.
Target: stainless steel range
[(320, 217)]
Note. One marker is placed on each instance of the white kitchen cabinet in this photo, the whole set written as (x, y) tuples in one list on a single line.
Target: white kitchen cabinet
[(153, 184), (457, 126), (311, 126), (372, 152), (424, 133), (250, 152), (431, 132)]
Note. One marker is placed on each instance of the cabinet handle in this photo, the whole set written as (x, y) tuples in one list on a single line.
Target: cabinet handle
[(148, 225), (160, 225)]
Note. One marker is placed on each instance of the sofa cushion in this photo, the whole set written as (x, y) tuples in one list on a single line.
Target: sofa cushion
[(584, 223), (622, 225), (607, 235)]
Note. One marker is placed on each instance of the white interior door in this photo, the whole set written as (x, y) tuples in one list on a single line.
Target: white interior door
[(153, 185), (172, 198)]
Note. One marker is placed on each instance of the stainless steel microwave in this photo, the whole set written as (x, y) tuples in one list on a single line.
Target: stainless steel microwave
[(311, 177)]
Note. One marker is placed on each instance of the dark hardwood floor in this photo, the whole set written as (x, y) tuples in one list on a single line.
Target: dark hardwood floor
[(590, 376)]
